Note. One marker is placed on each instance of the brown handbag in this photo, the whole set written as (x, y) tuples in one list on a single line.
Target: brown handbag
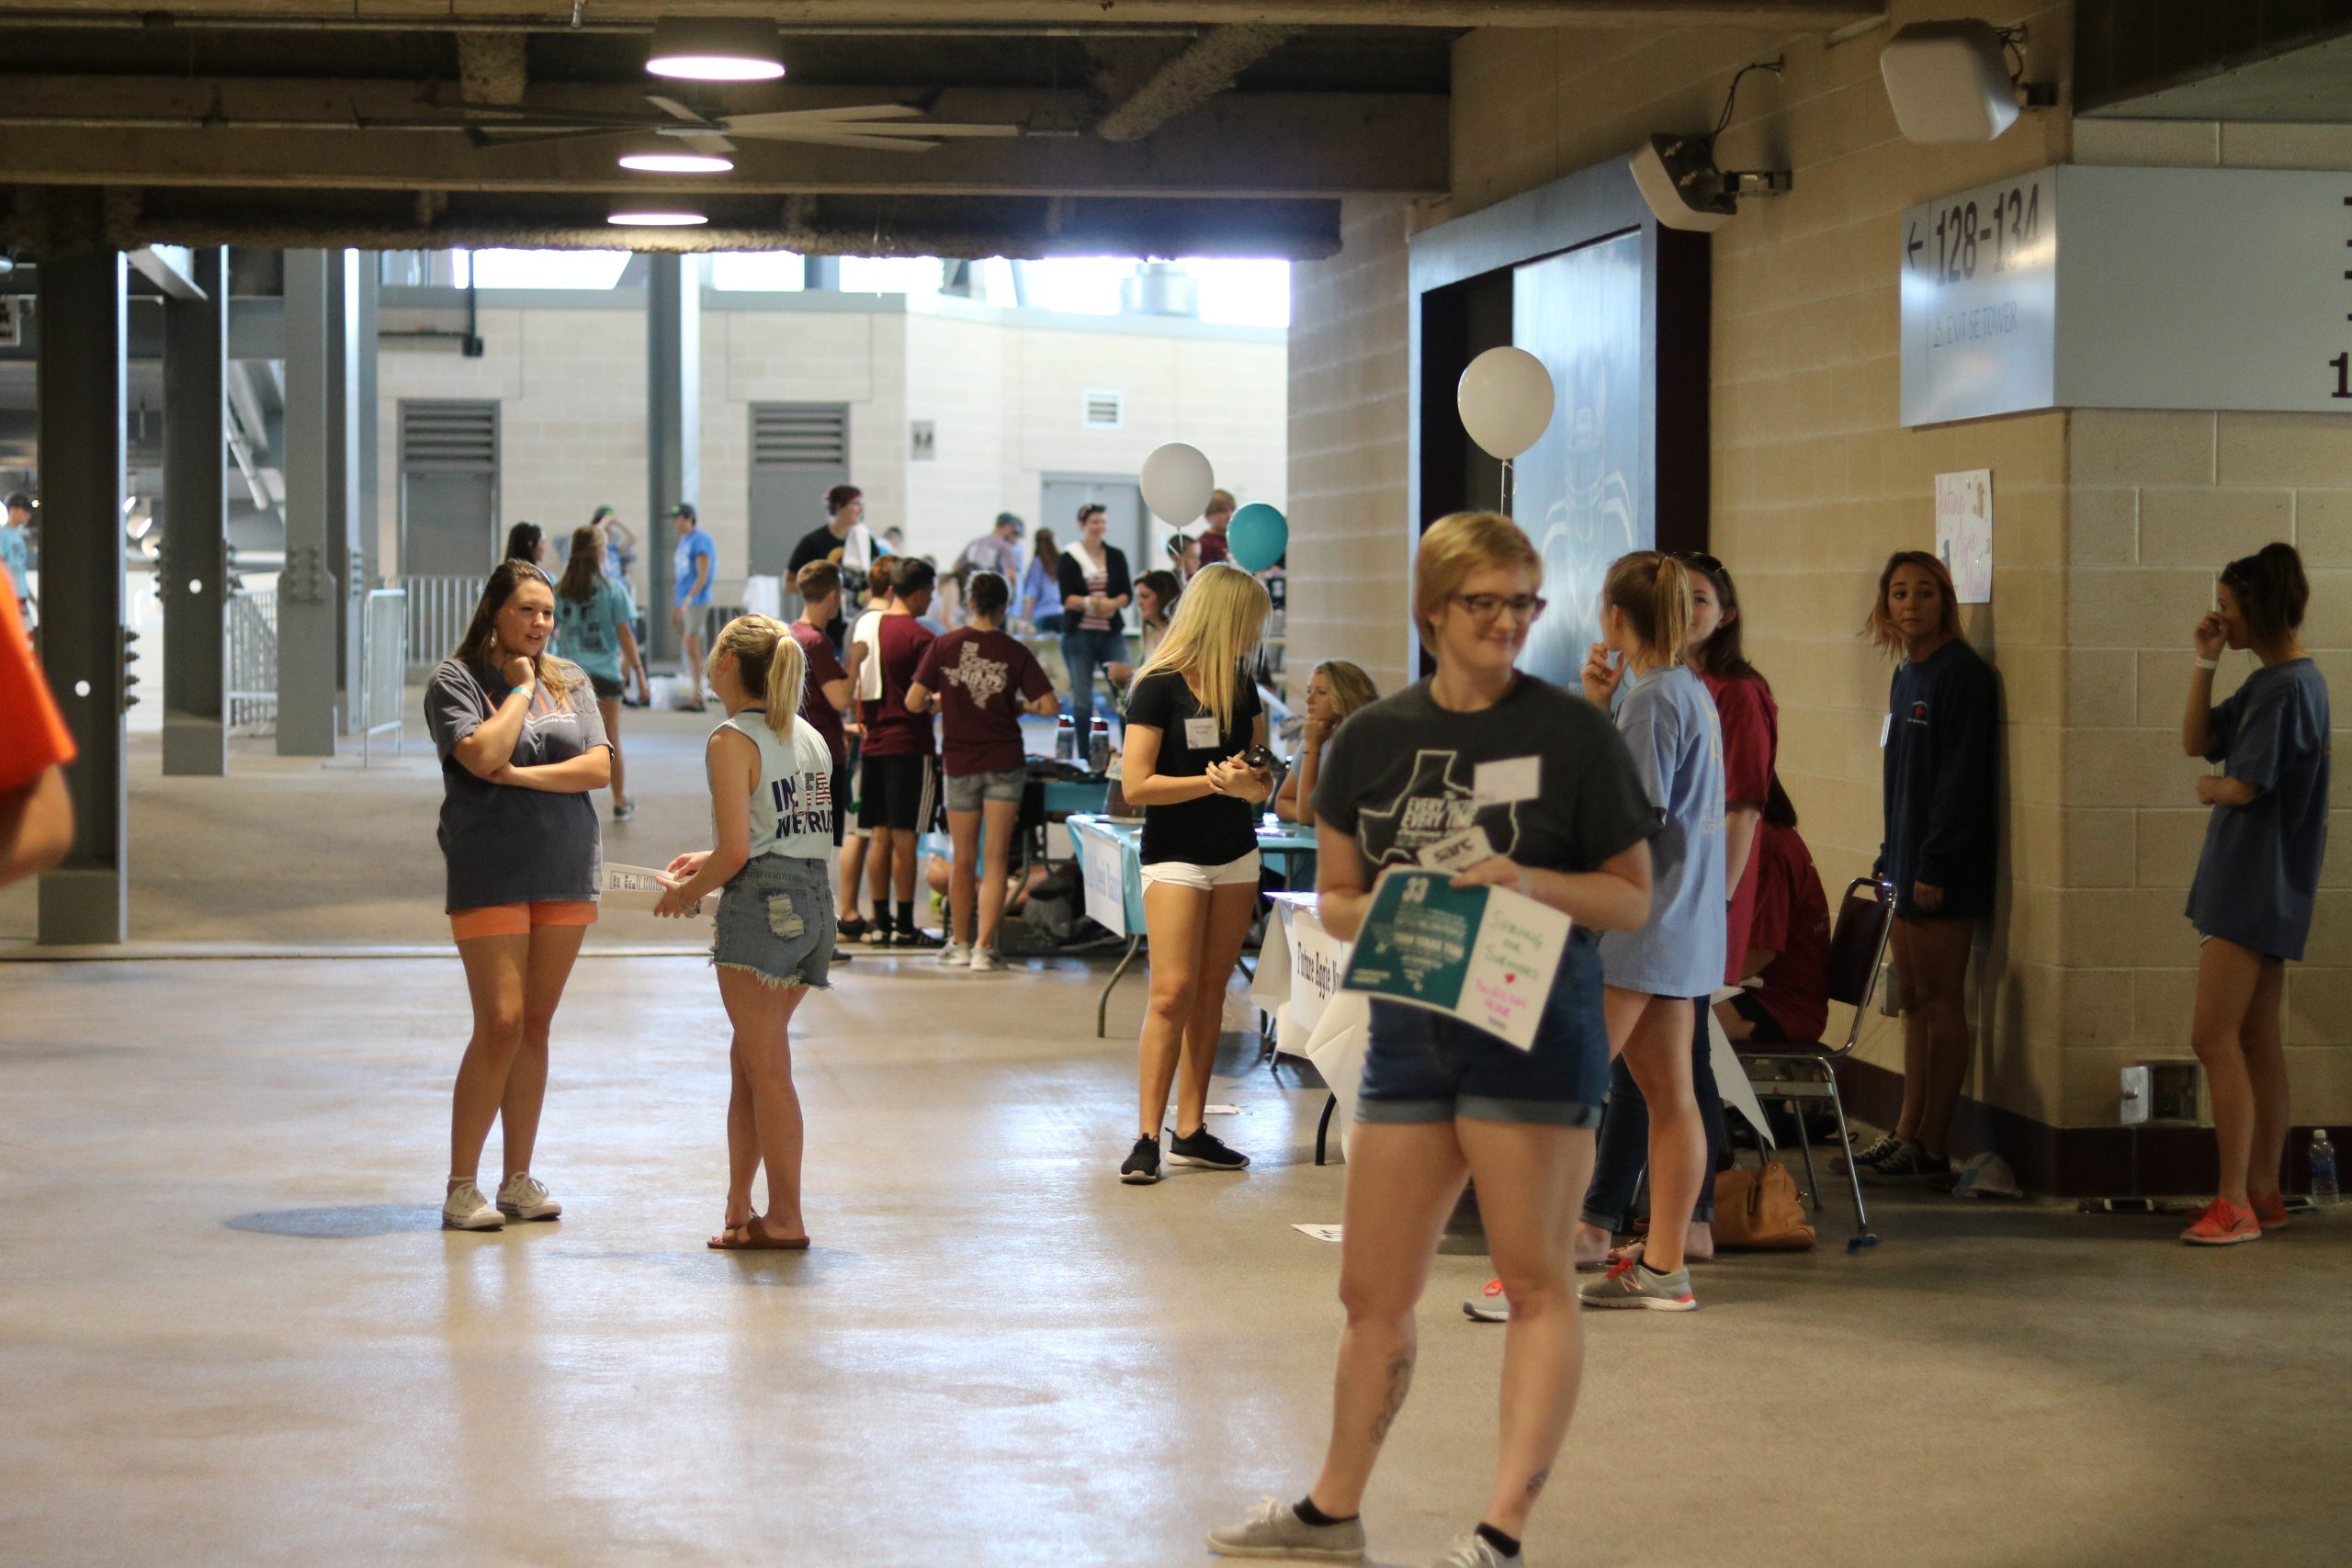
[(1758, 1211)]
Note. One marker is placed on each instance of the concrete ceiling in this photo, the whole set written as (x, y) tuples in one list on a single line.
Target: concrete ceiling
[(1129, 126)]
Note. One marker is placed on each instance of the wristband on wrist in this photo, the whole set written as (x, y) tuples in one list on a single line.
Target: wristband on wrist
[(2205, 663)]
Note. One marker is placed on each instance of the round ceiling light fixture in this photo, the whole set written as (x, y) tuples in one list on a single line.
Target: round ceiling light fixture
[(716, 48), (644, 212), (663, 155)]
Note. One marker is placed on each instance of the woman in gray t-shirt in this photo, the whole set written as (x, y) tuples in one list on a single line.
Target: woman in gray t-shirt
[(521, 747)]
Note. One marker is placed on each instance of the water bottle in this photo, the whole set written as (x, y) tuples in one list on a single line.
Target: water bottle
[(1065, 741), (2324, 1186), (1098, 745)]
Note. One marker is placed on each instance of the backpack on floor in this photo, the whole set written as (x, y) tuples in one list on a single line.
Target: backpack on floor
[(1758, 1211)]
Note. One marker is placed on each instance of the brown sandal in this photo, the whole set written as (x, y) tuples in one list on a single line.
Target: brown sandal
[(755, 1239)]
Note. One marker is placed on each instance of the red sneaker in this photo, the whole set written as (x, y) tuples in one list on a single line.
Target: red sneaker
[(2223, 1224), (2270, 1208)]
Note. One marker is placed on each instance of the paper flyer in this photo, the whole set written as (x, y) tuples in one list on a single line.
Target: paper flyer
[(1485, 955), (637, 888)]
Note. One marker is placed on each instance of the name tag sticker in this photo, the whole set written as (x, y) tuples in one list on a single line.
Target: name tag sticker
[(1885, 729), (1513, 778), (1200, 734), (1458, 851)]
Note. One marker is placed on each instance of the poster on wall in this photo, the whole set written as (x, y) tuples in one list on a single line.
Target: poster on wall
[(1576, 490), (1964, 532)]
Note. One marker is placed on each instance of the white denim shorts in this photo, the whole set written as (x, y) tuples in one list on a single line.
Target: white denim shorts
[(1184, 874)]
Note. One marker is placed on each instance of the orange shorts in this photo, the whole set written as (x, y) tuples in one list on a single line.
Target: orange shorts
[(518, 920)]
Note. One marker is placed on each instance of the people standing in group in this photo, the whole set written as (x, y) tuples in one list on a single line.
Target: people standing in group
[(772, 818), (694, 566), (1095, 590), (898, 789), (2258, 877), (863, 663), (1654, 972), (16, 549), (1509, 782), (593, 616), (1193, 714), (1041, 587), (998, 550), (825, 697), (1941, 737), (1211, 542), (1784, 974), (844, 540), (527, 542), (1156, 595), (521, 749), (1749, 721), (1335, 689), (982, 682)]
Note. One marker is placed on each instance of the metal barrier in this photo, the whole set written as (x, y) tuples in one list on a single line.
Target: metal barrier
[(251, 697), (383, 671), (439, 611)]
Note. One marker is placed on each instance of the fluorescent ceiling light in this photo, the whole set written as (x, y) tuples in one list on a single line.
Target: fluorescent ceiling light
[(716, 48), (653, 215), (674, 161)]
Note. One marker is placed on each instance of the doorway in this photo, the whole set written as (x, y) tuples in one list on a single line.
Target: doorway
[(1138, 534)]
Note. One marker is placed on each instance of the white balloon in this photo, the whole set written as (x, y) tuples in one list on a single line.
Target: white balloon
[(1176, 482), (1505, 399)]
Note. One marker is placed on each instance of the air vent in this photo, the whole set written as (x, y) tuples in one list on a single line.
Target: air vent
[(448, 436), (1103, 410), (800, 434)]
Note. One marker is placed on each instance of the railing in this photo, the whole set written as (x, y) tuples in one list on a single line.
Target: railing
[(251, 696), (383, 670), (439, 609)]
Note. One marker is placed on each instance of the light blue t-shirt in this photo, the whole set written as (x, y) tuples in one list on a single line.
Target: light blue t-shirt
[(1670, 725), (695, 544), (14, 558), (792, 811), (588, 630), (2258, 876)]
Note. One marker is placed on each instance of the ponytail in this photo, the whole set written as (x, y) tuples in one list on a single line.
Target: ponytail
[(770, 660), (787, 672), (2271, 592), (1653, 593)]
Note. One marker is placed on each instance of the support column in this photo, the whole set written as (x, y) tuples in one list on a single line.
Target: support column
[(366, 439), (194, 565), (87, 898), (347, 553), (308, 649), (673, 426)]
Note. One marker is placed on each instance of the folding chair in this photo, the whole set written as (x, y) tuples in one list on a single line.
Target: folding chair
[(1856, 950)]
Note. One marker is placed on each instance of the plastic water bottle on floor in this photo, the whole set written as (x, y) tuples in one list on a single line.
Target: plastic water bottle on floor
[(2325, 1190)]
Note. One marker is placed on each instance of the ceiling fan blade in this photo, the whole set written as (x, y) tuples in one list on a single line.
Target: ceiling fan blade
[(676, 109), (822, 137), (850, 114)]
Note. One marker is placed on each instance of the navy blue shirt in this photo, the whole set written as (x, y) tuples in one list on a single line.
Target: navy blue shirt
[(1941, 781), (2260, 872)]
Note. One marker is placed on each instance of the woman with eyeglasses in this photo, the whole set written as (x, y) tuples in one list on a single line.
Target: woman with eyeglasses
[(1505, 780)]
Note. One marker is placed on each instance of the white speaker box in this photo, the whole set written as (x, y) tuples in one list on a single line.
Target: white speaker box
[(1948, 82)]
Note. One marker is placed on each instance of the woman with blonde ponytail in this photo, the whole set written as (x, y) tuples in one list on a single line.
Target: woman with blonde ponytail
[(1651, 975), (771, 812)]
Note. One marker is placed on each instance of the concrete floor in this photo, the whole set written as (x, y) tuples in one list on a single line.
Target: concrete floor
[(231, 1332)]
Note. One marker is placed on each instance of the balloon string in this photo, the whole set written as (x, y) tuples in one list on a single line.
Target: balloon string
[(1507, 484)]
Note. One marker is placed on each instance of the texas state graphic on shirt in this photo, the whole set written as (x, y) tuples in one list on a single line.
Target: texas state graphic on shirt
[(982, 679), (1437, 820)]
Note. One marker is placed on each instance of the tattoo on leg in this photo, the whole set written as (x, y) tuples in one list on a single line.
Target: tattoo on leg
[(1535, 1484), (1400, 1379)]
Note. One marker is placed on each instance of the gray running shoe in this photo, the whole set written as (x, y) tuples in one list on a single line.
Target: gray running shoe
[(1628, 1284), (1887, 1143), (1276, 1530), (1472, 1550)]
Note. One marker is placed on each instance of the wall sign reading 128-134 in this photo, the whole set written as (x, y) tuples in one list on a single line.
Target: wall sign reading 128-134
[(2172, 288)]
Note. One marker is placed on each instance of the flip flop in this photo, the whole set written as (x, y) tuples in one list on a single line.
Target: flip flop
[(755, 1240)]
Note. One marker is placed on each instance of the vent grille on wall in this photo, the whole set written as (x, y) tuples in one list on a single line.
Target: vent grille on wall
[(1103, 410), (449, 435), (798, 434)]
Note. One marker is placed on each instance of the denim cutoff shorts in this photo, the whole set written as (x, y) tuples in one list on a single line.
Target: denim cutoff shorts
[(1423, 1067), (777, 919)]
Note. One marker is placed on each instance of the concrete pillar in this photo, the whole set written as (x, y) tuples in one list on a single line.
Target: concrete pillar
[(673, 426), (195, 562), (366, 439), (87, 898), (310, 650), (347, 553)]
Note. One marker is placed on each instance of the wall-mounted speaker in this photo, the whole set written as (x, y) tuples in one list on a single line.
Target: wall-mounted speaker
[(1950, 82)]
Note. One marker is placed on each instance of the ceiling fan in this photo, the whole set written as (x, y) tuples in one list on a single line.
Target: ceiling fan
[(887, 127)]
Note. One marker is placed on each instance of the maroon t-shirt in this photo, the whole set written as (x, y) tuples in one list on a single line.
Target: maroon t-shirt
[(824, 665), (1752, 727), (1793, 920), (891, 729), (981, 679), (1213, 547)]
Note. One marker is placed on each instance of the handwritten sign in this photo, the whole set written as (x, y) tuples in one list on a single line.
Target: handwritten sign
[(1484, 956)]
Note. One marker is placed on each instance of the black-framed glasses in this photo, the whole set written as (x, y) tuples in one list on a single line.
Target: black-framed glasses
[(1485, 607)]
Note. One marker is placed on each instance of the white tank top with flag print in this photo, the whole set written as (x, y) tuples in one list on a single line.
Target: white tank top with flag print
[(792, 811)]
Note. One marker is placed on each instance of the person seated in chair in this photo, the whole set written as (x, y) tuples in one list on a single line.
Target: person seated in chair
[(1785, 979)]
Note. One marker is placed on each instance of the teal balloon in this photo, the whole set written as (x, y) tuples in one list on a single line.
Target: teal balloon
[(1258, 535)]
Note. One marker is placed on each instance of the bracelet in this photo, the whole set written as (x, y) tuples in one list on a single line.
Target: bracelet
[(2203, 663)]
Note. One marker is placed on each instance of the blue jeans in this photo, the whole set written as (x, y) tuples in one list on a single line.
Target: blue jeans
[(1625, 1138), (1085, 652)]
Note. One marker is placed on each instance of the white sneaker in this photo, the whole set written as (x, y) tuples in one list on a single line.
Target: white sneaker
[(524, 1198), (955, 952), (467, 1210), (986, 960)]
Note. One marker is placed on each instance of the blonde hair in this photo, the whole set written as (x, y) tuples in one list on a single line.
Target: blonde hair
[(771, 661), (479, 646), (1350, 687), (1215, 627), (1654, 591), (1454, 546)]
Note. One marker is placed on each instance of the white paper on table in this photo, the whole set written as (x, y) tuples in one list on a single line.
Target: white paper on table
[(1270, 985), (1336, 1048), (1320, 1233), (1102, 862), (1731, 1075), (637, 888)]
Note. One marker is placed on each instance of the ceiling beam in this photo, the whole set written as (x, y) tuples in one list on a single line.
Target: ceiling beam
[(375, 134), (947, 15), (167, 270), (1197, 72)]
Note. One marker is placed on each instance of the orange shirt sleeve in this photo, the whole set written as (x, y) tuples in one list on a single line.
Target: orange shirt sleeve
[(33, 738)]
